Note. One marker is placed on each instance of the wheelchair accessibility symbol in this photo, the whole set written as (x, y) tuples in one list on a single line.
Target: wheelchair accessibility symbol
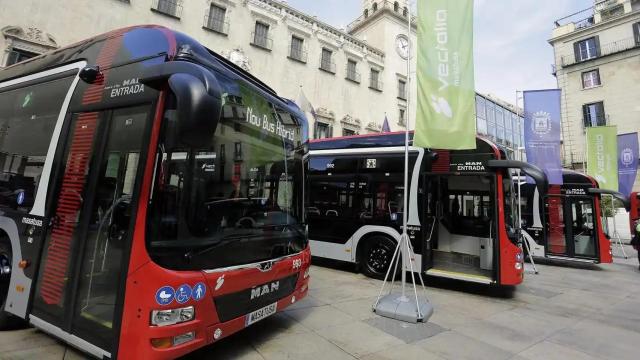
[(183, 293)]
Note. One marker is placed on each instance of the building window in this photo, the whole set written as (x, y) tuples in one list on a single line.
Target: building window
[(216, 19), (636, 33), (352, 71), (402, 89), (322, 131), (297, 51), (237, 151), (593, 114), (326, 61), (480, 107), (375, 6), (17, 55), (366, 13), (586, 49), (375, 82), (171, 8), (590, 79), (401, 117), (261, 36), (348, 132), (405, 12), (396, 6)]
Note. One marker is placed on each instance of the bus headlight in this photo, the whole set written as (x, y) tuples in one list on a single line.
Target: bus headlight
[(172, 316), (519, 257)]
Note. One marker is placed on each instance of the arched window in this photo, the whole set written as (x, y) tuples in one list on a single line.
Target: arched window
[(366, 13), (396, 6), (375, 6), (405, 12)]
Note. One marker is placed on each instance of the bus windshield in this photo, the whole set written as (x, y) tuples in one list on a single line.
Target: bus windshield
[(236, 201)]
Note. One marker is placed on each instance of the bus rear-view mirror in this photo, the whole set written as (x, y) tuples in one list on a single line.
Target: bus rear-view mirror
[(197, 110)]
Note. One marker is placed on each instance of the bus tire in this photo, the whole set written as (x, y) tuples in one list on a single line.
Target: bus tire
[(376, 256), (7, 321)]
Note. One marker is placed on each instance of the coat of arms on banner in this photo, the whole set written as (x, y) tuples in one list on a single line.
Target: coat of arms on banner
[(541, 123), (626, 157)]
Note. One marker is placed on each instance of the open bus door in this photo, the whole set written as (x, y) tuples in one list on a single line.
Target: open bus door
[(81, 298), (572, 222), (634, 211)]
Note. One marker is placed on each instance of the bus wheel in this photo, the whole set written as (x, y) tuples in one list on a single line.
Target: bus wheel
[(376, 256), (7, 320)]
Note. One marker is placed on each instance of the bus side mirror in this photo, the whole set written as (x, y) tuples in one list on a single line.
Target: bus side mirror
[(199, 98), (197, 110)]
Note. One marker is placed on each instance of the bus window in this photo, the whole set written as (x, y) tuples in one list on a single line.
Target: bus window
[(28, 116), (218, 209)]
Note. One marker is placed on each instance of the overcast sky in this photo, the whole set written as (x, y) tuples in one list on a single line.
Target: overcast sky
[(511, 48)]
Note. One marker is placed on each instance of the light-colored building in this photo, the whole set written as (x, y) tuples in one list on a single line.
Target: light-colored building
[(597, 65), (354, 77)]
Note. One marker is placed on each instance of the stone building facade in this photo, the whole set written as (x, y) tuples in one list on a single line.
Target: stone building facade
[(597, 65), (354, 77)]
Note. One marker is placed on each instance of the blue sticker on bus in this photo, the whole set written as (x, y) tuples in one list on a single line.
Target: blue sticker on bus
[(183, 293), (164, 295), (198, 291), (20, 198)]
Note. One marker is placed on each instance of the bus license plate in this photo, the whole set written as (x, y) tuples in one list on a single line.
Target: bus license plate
[(261, 314)]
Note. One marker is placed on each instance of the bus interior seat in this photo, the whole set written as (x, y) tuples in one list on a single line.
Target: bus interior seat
[(331, 213)]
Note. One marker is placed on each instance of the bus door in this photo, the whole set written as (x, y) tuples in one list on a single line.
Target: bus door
[(80, 281), (571, 226)]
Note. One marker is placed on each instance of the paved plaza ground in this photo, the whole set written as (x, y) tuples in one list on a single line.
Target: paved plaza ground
[(565, 312)]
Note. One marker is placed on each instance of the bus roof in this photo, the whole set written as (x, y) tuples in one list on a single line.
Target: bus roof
[(574, 177), (144, 42), (375, 140)]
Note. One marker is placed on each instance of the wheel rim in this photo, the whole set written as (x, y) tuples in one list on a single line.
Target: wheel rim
[(379, 258)]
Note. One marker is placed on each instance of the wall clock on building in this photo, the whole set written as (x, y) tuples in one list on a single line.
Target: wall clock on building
[(403, 46)]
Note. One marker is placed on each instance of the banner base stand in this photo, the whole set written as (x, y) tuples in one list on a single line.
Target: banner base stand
[(398, 307)]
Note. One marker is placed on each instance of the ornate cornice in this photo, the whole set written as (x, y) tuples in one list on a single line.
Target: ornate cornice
[(31, 37)]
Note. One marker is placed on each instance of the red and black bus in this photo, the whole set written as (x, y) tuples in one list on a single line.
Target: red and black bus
[(634, 211), (459, 210), (151, 195), (567, 224)]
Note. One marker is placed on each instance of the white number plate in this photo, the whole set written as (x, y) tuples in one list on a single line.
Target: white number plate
[(260, 314)]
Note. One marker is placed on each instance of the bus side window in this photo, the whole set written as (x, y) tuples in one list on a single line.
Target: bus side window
[(28, 117)]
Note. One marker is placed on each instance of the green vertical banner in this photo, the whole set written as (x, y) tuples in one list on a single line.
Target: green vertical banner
[(602, 156), (445, 118)]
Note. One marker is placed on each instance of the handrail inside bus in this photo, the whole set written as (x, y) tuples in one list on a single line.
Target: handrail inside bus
[(618, 195), (542, 183)]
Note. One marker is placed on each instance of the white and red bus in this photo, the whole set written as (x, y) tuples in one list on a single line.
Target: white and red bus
[(567, 224), (151, 196), (460, 207)]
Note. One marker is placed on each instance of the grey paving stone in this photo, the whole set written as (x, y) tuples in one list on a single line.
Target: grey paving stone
[(551, 351), (358, 339), (600, 340), (407, 332), (455, 346), (404, 352)]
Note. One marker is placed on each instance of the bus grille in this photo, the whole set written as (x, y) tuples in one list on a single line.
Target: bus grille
[(236, 304)]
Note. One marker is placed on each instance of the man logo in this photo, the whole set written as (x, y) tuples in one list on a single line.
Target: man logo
[(441, 106), (541, 123), (265, 289), (626, 157)]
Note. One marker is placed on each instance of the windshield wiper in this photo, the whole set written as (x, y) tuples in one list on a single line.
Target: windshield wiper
[(212, 245)]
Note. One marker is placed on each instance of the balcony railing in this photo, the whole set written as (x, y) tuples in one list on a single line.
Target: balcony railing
[(606, 9), (375, 83), (328, 65), (261, 41), (298, 53), (171, 8), (218, 25), (353, 75), (604, 50)]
